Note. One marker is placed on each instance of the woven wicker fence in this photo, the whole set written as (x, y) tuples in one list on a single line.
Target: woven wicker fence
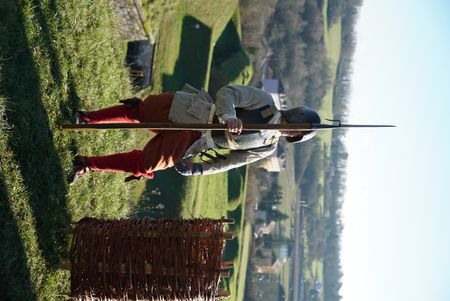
[(145, 259)]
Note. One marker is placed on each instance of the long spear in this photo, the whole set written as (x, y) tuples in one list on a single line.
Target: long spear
[(216, 127)]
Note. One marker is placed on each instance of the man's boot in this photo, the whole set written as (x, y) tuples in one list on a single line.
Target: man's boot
[(79, 168), (79, 117)]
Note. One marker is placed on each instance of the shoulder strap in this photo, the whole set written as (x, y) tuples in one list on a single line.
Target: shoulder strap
[(268, 112)]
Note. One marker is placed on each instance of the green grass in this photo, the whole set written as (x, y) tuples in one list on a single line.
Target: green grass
[(286, 180), (181, 19), (154, 12), (285, 277), (207, 197), (55, 57), (230, 63), (332, 41), (246, 241), (185, 52), (236, 184), (192, 63), (236, 283), (313, 273)]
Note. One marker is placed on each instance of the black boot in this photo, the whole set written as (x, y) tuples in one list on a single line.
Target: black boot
[(131, 103), (79, 168), (79, 117)]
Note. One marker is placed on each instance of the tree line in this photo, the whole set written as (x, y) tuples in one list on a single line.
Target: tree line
[(293, 31), (295, 35)]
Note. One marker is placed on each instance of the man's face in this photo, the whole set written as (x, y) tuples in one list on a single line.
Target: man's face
[(291, 133)]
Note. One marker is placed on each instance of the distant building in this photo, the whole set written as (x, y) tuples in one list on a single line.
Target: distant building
[(266, 262), (275, 88), (264, 229), (268, 266)]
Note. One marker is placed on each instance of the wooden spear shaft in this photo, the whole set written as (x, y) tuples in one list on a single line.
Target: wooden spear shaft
[(183, 126), (214, 127)]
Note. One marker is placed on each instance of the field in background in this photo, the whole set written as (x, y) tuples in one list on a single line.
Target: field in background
[(332, 41), (286, 180)]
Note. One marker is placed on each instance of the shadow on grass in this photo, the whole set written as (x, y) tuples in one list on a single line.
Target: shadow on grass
[(46, 37), (31, 138), (237, 216), (229, 60), (231, 250), (67, 109), (192, 64), (162, 196), (15, 281)]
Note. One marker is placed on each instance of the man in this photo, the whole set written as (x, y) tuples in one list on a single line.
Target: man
[(233, 106)]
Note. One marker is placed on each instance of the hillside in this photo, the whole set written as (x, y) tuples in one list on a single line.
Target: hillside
[(314, 63)]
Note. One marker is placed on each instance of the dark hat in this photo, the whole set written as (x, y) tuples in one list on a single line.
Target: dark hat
[(301, 115)]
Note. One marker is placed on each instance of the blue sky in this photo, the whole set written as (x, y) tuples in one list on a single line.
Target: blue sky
[(396, 240)]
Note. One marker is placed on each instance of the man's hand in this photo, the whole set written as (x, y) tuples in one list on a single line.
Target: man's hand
[(187, 168), (234, 125)]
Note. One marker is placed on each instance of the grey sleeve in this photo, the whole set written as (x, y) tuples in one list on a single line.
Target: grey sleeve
[(230, 97), (237, 158)]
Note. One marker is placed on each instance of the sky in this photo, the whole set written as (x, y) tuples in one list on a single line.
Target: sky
[(396, 213)]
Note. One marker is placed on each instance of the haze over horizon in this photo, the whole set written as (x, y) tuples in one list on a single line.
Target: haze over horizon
[(395, 243)]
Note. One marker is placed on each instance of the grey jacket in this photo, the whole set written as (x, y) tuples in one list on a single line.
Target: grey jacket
[(193, 106)]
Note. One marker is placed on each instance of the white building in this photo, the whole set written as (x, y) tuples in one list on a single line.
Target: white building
[(275, 88)]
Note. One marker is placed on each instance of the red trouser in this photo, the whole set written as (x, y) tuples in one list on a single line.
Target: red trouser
[(161, 152)]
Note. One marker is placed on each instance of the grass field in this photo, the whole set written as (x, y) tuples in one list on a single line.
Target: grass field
[(230, 63), (243, 260), (286, 180), (332, 40), (52, 61), (56, 56), (203, 19)]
